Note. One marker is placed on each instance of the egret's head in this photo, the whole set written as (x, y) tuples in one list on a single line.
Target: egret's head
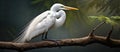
[(58, 6)]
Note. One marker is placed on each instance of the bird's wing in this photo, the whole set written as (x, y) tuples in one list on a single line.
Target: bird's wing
[(30, 27), (35, 21)]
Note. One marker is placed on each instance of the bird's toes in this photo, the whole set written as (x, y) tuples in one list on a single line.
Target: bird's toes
[(56, 41)]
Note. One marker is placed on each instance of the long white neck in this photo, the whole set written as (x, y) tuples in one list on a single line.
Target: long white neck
[(62, 17)]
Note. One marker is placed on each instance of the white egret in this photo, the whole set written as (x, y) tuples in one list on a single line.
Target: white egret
[(55, 17)]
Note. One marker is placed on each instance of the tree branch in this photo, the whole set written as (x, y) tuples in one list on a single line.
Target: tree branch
[(65, 42)]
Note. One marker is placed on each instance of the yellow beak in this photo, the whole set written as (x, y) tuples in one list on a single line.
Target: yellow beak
[(70, 8)]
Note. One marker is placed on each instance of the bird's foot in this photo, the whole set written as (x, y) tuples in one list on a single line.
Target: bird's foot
[(53, 41)]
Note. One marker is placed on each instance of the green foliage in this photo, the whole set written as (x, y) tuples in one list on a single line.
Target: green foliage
[(116, 18), (113, 20)]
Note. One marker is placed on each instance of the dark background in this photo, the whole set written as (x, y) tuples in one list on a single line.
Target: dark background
[(14, 14)]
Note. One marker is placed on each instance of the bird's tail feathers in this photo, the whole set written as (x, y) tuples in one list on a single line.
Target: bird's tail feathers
[(21, 39)]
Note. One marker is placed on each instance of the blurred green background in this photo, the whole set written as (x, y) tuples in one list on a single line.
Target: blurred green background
[(14, 14)]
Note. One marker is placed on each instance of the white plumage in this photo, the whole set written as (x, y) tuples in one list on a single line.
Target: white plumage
[(55, 17)]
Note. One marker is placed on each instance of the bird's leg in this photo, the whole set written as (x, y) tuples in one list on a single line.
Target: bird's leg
[(46, 35), (42, 36)]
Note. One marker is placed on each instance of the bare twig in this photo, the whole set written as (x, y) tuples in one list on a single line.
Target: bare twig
[(96, 27), (109, 34)]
